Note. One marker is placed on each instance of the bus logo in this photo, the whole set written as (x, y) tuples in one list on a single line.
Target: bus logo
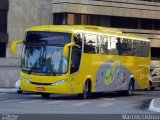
[(112, 72)]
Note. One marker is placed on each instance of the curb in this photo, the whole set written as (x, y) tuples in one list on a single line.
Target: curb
[(8, 90), (155, 105)]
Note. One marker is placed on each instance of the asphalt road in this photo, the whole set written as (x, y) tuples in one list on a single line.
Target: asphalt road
[(108, 103)]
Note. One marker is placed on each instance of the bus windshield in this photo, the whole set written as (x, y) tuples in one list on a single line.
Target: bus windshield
[(44, 59)]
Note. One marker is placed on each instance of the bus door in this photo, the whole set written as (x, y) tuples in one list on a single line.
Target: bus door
[(76, 56)]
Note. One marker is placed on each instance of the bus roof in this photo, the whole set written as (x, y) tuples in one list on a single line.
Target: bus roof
[(86, 28)]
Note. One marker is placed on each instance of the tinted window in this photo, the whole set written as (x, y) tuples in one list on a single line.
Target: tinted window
[(47, 38), (90, 43), (141, 48), (103, 44), (112, 46), (137, 45), (3, 21), (78, 40), (2, 49), (145, 49), (125, 47)]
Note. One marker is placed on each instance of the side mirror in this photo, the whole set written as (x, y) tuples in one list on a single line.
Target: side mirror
[(65, 51), (14, 46)]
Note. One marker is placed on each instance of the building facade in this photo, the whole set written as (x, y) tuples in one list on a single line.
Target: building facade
[(141, 17), (3, 27)]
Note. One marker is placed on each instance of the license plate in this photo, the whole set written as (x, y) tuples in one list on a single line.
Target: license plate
[(40, 88)]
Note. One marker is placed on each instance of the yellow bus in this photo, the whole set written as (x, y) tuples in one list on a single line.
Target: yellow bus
[(81, 59)]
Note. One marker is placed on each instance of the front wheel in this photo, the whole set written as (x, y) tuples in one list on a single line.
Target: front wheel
[(19, 91), (86, 91), (45, 95)]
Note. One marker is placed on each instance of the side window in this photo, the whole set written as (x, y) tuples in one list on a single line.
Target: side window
[(137, 48), (98, 44), (104, 44), (76, 53), (141, 48), (120, 46), (76, 59), (95, 44), (112, 46), (145, 49), (126, 47), (91, 43), (78, 40)]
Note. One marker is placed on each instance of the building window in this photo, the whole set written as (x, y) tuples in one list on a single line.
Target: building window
[(84, 19), (77, 19), (94, 20), (106, 21), (71, 18), (151, 0), (155, 53), (3, 27), (60, 18), (3, 21), (2, 50), (124, 22)]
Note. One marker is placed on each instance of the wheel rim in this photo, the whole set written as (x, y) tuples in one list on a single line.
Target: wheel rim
[(130, 90), (85, 91)]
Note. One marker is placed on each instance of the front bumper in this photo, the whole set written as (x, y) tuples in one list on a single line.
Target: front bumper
[(57, 89)]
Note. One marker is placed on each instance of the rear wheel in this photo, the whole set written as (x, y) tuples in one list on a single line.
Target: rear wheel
[(130, 88), (45, 95)]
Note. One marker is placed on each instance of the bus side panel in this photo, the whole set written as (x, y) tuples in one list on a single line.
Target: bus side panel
[(112, 76)]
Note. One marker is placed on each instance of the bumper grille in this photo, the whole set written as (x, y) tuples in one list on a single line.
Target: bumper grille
[(35, 83)]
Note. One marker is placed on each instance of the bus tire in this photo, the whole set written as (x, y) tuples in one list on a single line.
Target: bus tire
[(45, 95), (86, 90), (130, 88), (19, 91), (129, 91)]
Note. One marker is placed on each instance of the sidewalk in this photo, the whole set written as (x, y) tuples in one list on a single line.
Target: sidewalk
[(155, 105), (8, 90)]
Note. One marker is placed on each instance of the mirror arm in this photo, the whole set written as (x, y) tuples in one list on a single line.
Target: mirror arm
[(69, 44), (18, 42), (66, 48), (14, 46)]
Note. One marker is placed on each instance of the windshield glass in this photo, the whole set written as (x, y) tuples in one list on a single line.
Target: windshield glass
[(50, 38), (31, 57), (43, 53), (46, 60)]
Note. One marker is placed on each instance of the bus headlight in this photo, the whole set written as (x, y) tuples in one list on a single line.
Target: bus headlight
[(58, 82), (25, 80)]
